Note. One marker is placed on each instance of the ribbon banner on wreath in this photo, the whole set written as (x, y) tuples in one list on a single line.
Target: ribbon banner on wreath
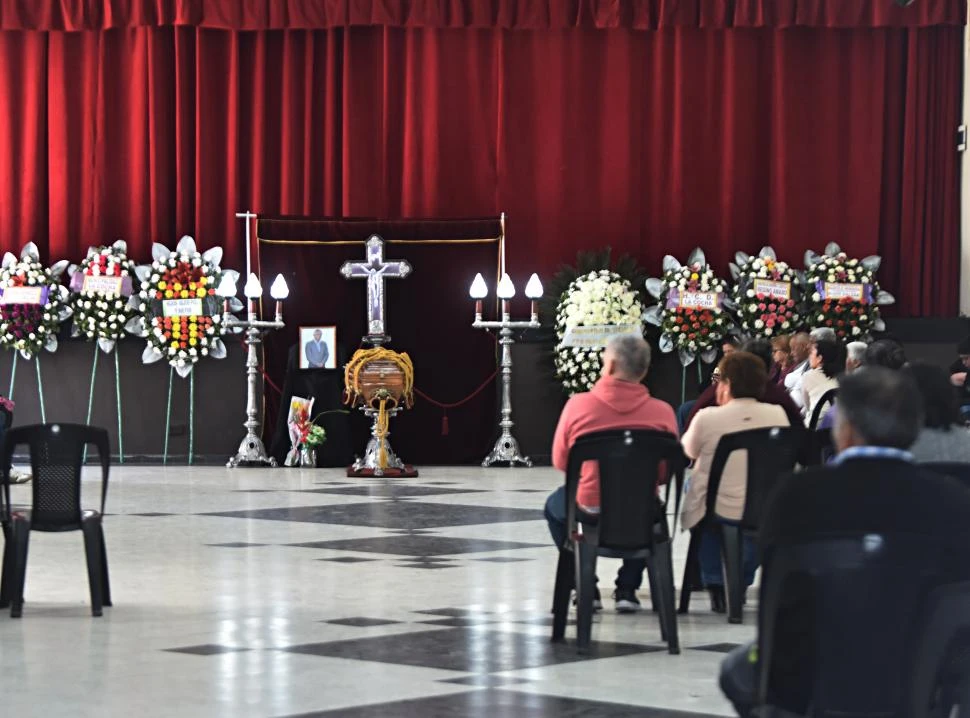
[(33, 303), (692, 308), (595, 307), (844, 293), (767, 294), (178, 312)]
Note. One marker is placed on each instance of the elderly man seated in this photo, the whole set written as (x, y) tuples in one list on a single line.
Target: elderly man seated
[(878, 489), (619, 400)]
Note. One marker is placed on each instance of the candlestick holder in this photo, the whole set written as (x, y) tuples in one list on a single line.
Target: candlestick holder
[(506, 447), (252, 451)]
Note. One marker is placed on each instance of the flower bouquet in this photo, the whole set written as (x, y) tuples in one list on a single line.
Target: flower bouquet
[(32, 302), (305, 435), (766, 294), (101, 287), (594, 307), (844, 293), (178, 311), (692, 309)]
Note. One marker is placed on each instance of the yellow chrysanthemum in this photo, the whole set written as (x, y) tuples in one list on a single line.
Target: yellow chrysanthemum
[(177, 286), (175, 345), (161, 285), (184, 294), (168, 293), (192, 341), (200, 292)]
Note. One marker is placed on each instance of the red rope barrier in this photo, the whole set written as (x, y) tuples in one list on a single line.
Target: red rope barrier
[(454, 405)]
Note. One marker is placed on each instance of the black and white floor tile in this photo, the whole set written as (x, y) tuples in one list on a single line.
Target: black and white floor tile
[(304, 593)]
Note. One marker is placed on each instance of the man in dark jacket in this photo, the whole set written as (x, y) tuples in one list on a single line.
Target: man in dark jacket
[(872, 486)]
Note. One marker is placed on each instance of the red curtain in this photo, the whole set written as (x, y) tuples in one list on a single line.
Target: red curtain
[(651, 142), (509, 14)]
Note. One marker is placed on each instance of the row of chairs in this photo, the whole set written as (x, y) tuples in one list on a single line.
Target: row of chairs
[(852, 678), (56, 458)]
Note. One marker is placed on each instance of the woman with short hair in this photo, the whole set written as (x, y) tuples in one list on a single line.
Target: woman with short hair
[(739, 394), (781, 354)]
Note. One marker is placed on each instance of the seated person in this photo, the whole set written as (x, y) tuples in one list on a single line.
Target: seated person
[(618, 401), (793, 382), (689, 408), (774, 394), (792, 376), (887, 353), (960, 376), (942, 436), (825, 360), (742, 385), (879, 418), (782, 358), (855, 354)]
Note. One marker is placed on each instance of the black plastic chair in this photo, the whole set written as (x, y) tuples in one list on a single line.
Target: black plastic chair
[(771, 453), (943, 646), (629, 525), (56, 452), (861, 631), (827, 399)]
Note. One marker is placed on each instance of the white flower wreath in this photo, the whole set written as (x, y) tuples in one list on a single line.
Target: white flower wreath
[(767, 294), (180, 334), (101, 287), (600, 299), (29, 323), (692, 312)]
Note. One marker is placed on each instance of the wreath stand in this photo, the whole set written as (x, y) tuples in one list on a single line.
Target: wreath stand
[(168, 415), (94, 371), (40, 384)]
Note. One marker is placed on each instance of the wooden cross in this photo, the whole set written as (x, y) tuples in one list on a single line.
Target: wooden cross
[(375, 269)]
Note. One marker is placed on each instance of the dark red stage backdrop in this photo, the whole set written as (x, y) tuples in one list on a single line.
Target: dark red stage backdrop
[(649, 125)]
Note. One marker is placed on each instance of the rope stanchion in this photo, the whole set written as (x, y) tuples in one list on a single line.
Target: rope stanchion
[(168, 416), (13, 375), (40, 391), (454, 405), (121, 440)]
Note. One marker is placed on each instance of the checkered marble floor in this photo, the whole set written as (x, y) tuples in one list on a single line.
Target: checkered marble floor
[(292, 592)]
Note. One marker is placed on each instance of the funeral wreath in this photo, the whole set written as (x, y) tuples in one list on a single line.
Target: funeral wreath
[(843, 293), (692, 308), (101, 287), (178, 312), (766, 294), (594, 307), (33, 303)]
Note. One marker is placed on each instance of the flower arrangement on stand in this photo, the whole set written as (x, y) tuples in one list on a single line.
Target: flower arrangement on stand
[(101, 288), (179, 313), (844, 293), (692, 309), (595, 306), (766, 294), (33, 302)]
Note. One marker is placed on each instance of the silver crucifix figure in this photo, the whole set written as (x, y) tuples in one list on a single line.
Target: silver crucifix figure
[(375, 269)]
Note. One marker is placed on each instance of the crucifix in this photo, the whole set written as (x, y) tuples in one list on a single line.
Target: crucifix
[(375, 269)]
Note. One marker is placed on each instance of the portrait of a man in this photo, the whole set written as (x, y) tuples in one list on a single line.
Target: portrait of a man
[(318, 348)]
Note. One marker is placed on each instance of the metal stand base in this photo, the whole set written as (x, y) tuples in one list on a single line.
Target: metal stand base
[(506, 449), (370, 461), (251, 453)]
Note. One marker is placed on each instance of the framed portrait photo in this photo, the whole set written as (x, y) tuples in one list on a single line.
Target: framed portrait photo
[(318, 347)]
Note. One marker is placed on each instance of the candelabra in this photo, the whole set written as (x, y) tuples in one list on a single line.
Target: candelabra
[(506, 447), (252, 452)]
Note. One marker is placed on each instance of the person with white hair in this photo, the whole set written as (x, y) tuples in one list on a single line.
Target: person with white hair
[(619, 400), (855, 355)]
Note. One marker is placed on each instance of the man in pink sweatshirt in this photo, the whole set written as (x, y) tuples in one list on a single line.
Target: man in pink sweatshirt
[(618, 401)]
